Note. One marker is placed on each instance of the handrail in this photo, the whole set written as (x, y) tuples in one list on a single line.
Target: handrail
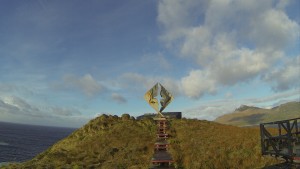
[(283, 143)]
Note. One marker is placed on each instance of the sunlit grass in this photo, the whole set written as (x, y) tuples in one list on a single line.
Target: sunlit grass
[(105, 142), (203, 144), (112, 142)]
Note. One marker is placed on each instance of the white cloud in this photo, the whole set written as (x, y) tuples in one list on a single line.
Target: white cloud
[(281, 97), (210, 110), (285, 77), (274, 30), (17, 109), (241, 65), (18, 106), (228, 95), (198, 83), (118, 98), (135, 81), (176, 15), (61, 111), (241, 41), (86, 84), (154, 62)]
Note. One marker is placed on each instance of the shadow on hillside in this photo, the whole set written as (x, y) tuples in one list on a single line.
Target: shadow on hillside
[(283, 166), (251, 119)]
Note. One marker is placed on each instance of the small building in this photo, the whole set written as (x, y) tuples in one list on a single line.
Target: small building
[(169, 115)]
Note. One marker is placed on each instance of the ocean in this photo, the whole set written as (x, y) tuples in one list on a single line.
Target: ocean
[(19, 142)]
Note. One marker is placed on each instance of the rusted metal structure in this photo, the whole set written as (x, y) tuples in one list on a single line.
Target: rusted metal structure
[(281, 139)]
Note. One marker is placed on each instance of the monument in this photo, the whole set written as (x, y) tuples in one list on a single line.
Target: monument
[(158, 98)]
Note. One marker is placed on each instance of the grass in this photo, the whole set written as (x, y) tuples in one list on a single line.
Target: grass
[(112, 142), (105, 142), (202, 144)]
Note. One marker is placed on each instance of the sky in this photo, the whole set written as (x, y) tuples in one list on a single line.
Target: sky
[(63, 63)]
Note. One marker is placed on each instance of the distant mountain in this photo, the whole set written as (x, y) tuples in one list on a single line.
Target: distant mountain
[(248, 115)]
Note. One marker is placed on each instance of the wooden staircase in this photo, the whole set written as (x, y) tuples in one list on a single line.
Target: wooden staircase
[(162, 158)]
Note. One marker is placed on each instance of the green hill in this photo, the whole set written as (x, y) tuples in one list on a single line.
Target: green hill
[(246, 115), (105, 142), (111, 142)]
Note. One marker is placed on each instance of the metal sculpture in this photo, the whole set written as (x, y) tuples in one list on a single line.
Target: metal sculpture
[(158, 98)]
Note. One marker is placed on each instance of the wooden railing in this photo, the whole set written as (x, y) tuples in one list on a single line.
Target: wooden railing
[(281, 139)]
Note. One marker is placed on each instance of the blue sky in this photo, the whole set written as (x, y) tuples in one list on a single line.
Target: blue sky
[(63, 63)]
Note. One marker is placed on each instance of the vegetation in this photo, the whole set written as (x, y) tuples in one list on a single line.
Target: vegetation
[(202, 144), (246, 115), (105, 142), (125, 143)]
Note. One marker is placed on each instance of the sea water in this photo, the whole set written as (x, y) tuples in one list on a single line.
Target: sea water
[(19, 142)]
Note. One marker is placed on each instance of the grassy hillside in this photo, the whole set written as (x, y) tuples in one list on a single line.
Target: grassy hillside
[(111, 142), (246, 115), (202, 144), (105, 142)]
